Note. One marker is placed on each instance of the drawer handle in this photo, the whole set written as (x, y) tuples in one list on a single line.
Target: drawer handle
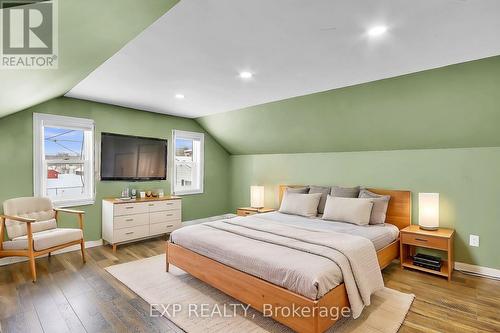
[(421, 239), (130, 207), (169, 225), (129, 233), (129, 220), (169, 203), (170, 214), (151, 205)]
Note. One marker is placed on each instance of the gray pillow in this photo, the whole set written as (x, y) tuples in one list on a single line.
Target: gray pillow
[(301, 190), (345, 192), (324, 190), (380, 205), (300, 204)]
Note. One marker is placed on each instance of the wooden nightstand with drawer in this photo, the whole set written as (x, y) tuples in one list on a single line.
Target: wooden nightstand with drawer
[(441, 239), (245, 211)]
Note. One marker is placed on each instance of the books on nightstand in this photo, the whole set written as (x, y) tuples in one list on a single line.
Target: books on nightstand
[(427, 261)]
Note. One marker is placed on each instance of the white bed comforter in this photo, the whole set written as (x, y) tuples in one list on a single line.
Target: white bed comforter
[(355, 256)]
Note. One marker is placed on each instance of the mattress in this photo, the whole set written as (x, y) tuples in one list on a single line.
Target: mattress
[(304, 273), (381, 235)]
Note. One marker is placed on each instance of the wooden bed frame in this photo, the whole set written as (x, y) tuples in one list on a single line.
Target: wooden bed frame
[(259, 293)]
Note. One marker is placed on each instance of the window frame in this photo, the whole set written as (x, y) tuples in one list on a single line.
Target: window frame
[(40, 121), (192, 136)]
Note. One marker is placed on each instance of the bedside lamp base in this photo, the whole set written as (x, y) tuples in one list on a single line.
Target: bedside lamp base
[(423, 227)]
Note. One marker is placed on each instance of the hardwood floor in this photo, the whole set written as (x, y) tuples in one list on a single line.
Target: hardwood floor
[(72, 297)]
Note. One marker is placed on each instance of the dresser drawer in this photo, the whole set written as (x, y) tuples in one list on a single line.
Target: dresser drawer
[(165, 216), (127, 221), (159, 206), (425, 241), (163, 228), (125, 234), (130, 208)]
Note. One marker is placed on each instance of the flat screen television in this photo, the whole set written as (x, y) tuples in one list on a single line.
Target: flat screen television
[(133, 158)]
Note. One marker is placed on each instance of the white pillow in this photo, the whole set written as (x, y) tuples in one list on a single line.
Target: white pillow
[(351, 210), (300, 204)]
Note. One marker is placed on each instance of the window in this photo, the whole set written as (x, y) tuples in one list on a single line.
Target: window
[(63, 161), (188, 162)]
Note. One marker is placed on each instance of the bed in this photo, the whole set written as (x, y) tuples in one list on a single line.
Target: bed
[(268, 279)]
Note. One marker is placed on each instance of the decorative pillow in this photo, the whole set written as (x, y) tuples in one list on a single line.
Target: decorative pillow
[(300, 204), (302, 190), (345, 192), (351, 210), (324, 193), (380, 204)]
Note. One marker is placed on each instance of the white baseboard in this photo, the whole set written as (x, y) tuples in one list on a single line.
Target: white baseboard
[(88, 244), (480, 270)]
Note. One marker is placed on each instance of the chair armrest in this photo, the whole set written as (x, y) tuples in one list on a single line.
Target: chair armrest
[(17, 218), (80, 214), (29, 232), (71, 211)]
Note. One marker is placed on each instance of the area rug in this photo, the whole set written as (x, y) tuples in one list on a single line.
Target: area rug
[(197, 307)]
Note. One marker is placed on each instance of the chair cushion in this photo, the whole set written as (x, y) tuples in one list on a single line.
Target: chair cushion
[(45, 239), (18, 229), (37, 208), (15, 245)]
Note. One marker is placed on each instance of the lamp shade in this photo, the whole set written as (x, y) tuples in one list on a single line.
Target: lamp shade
[(428, 211), (257, 196)]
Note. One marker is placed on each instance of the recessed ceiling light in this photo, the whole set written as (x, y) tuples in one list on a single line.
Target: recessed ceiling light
[(179, 96), (377, 31), (246, 75)]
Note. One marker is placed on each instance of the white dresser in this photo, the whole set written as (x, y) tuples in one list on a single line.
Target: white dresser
[(125, 221)]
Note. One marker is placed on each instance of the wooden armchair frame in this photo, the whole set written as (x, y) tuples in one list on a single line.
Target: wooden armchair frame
[(31, 253)]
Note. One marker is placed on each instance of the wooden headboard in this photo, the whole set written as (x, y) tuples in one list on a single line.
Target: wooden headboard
[(398, 212)]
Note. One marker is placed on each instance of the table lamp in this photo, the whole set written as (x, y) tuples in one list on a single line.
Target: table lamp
[(428, 211), (257, 196)]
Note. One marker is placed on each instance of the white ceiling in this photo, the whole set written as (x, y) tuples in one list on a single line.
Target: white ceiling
[(293, 47)]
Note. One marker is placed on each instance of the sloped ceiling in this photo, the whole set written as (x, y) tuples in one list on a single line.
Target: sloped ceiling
[(293, 47), (90, 32), (451, 107)]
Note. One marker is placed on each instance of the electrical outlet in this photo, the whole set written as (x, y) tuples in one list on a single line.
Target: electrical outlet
[(474, 240)]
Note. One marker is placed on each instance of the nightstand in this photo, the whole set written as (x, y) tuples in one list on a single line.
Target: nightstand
[(245, 211), (441, 239)]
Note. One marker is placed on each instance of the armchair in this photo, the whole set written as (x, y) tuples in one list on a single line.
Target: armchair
[(31, 227)]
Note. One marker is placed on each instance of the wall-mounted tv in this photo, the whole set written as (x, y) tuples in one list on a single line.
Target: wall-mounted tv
[(133, 158)]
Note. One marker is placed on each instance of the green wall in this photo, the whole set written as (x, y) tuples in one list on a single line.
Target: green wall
[(16, 164), (467, 179), (424, 132), (433, 131), (451, 107)]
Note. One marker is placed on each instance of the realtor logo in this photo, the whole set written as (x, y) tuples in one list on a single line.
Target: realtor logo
[(29, 34)]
